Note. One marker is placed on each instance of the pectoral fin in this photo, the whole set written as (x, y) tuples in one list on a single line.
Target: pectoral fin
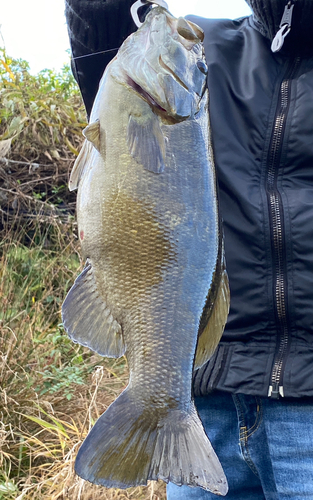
[(211, 335), (88, 320), (146, 142)]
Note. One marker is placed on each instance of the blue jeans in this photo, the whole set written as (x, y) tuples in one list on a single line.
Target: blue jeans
[(265, 447)]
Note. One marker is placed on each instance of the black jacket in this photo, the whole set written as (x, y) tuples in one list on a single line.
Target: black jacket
[(261, 109)]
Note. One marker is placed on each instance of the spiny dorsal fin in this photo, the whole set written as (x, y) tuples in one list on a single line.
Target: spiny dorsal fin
[(92, 133), (146, 142), (88, 320), (213, 331)]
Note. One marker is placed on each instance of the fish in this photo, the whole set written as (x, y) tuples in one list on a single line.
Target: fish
[(155, 286)]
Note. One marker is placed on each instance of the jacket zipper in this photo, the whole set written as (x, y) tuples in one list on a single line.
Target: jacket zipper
[(275, 205)]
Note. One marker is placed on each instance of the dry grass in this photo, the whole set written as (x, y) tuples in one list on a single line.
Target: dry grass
[(51, 390)]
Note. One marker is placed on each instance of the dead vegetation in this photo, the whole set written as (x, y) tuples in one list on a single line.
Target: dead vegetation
[(51, 390)]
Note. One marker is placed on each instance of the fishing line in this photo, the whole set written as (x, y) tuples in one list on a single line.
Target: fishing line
[(133, 10), (94, 54)]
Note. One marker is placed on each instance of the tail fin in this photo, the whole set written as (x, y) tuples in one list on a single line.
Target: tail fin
[(130, 445)]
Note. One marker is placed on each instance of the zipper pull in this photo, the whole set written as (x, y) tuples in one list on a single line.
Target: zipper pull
[(284, 27)]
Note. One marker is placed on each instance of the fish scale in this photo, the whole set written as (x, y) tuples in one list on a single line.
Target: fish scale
[(148, 213)]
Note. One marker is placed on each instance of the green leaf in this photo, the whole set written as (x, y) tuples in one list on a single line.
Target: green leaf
[(47, 425)]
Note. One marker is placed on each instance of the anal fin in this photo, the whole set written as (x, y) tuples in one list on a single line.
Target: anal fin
[(88, 320)]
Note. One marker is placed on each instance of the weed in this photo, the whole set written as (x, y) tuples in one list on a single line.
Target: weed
[(51, 390)]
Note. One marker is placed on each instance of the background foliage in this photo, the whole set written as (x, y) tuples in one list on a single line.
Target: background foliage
[(51, 390)]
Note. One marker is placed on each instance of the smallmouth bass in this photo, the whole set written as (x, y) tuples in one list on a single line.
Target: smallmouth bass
[(155, 286)]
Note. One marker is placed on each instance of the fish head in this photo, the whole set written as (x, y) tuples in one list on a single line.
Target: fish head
[(164, 62)]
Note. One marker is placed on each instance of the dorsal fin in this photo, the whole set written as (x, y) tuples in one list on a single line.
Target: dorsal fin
[(210, 337)]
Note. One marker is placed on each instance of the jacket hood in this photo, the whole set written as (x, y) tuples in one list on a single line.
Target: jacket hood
[(268, 15)]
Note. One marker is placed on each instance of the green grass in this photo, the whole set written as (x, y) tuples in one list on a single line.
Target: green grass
[(51, 390)]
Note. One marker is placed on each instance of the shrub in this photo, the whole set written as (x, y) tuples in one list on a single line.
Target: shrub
[(51, 390)]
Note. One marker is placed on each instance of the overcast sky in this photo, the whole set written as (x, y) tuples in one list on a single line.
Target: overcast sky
[(35, 30)]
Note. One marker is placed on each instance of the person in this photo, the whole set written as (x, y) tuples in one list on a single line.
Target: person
[(255, 394)]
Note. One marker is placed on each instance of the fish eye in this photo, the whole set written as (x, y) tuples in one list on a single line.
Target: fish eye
[(202, 67)]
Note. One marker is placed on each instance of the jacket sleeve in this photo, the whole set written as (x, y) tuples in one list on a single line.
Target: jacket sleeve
[(96, 26)]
